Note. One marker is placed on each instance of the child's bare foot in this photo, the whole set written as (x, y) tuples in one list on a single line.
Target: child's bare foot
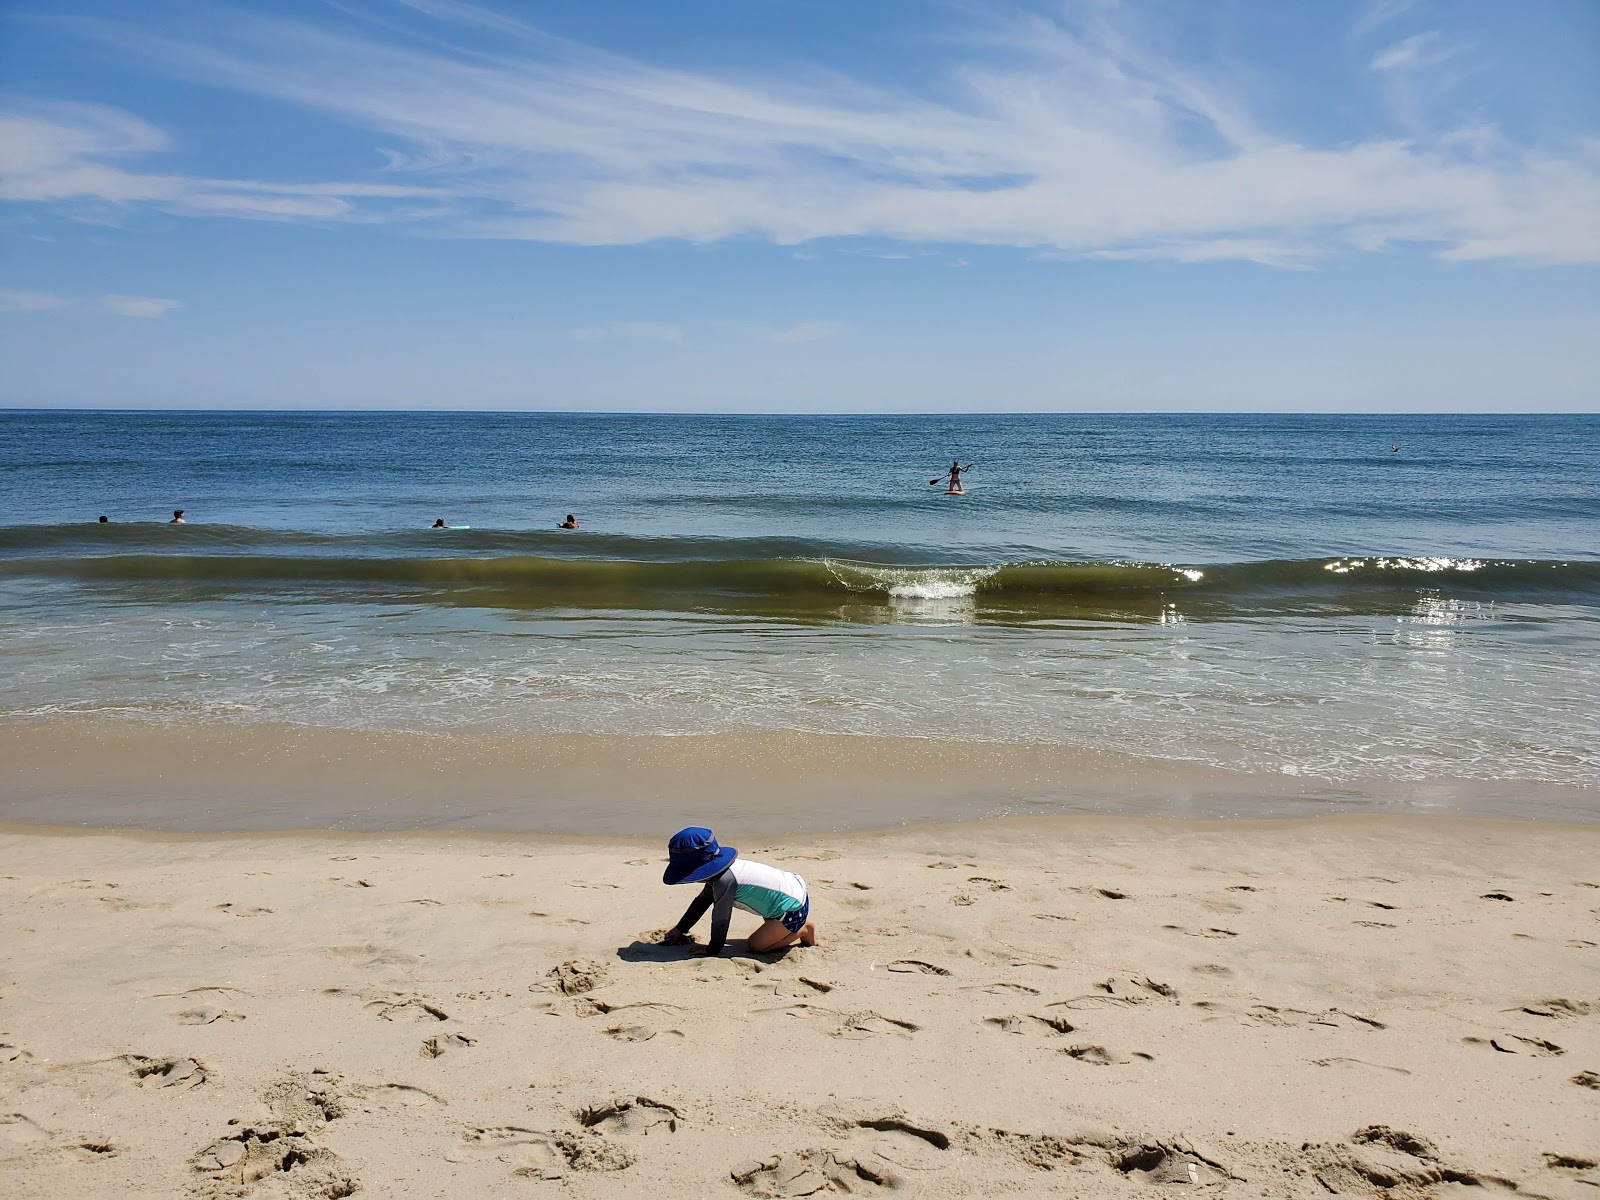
[(808, 934)]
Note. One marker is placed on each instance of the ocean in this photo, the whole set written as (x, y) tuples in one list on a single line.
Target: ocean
[(1354, 601)]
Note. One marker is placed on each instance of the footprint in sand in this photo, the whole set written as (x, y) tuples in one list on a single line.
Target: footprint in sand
[(630, 1116), (1122, 992), (1332, 1018), (436, 1047), (1356, 1062), (794, 989), (915, 966), (1379, 1161), (994, 885), (241, 910), (412, 1008), (1024, 1024), (206, 1016), (638, 1021), (1099, 1056), (536, 1154), (121, 904), (1209, 932), (384, 1095), (1586, 1079), (856, 1026), (214, 992), (1004, 987), (179, 1073), (893, 1138), (1515, 1043), (1560, 1009), (814, 1172)]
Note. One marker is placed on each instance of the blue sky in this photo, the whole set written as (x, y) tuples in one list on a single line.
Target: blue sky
[(794, 205)]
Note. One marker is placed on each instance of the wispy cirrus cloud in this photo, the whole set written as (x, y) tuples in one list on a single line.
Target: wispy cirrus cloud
[(15, 300), (1379, 13), (1420, 50), (65, 153), (1062, 134)]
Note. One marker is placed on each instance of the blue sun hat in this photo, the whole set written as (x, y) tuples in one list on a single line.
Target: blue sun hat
[(694, 856)]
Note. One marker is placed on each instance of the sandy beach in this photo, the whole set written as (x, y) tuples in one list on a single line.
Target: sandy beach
[(1075, 1006)]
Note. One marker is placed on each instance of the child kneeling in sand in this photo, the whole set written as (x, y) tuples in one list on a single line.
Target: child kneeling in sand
[(777, 897)]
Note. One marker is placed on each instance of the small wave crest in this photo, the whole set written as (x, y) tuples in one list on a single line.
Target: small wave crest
[(912, 583)]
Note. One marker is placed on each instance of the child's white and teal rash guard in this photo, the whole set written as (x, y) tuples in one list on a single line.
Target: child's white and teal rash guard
[(755, 887)]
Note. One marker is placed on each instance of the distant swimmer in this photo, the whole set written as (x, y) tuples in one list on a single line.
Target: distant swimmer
[(104, 520), (439, 524), (570, 523), (954, 476), (177, 517), (1395, 449)]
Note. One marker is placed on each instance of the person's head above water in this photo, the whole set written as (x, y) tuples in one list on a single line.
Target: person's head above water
[(177, 517), (570, 523), (693, 856), (105, 520), (439, 524)]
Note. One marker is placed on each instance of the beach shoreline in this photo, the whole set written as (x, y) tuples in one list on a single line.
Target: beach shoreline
[(123, 773), (1071, 1005)]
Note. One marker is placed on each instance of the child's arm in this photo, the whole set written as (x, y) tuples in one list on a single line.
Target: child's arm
[(696, 910), (723, 889)]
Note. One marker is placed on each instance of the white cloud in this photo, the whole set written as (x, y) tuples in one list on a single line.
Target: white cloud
[(1378, 13), (73, 152), (1420, 50), (650, 331), (12, 300), (1063, 136)]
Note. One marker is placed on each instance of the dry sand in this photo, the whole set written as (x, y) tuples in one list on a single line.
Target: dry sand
[(1358, 1006)]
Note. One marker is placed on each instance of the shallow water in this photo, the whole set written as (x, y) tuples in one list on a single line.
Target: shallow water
[(1282, 596)]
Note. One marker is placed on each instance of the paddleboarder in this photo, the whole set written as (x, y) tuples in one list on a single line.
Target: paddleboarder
[(954, 476)]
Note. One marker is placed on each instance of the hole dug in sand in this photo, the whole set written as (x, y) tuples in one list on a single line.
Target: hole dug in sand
[(1164, 1165), (576, 976), (270, 1161)]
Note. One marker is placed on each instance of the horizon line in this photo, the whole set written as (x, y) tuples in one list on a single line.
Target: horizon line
[(628, 412)]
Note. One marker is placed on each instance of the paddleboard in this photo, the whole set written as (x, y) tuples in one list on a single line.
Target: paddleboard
[(953, 492)]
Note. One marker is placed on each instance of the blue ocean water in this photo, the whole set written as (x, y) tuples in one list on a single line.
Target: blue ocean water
[(1339, 597)]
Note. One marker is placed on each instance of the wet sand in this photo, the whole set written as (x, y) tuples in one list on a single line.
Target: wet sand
[(1356, 1006), (252, 776)]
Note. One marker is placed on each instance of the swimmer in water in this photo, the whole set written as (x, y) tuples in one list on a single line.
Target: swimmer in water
[(439, 524), (1395, 449), (954, 476), (105, 520), (570, 523), (177, 517)]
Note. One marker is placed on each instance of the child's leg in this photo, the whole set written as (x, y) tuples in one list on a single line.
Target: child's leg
[(773, 935)]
